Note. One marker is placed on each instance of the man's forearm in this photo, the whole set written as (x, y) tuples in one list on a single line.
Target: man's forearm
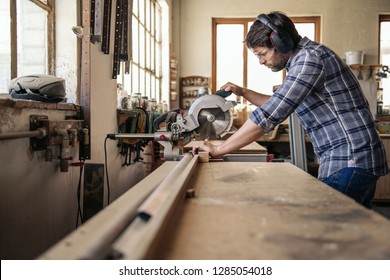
[(248, 133), (254, 97)]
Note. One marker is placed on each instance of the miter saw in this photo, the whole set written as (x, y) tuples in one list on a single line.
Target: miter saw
[(209, 117)]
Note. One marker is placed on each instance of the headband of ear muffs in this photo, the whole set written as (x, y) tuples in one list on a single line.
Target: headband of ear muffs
[(280, 39)]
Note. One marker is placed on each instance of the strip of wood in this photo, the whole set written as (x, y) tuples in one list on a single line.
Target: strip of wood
[(143, 236)]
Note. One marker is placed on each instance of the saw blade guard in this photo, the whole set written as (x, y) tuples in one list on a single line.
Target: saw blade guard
[(209, 102)]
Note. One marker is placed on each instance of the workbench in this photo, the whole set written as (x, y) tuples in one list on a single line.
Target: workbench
[(272, 211), (229, 211)]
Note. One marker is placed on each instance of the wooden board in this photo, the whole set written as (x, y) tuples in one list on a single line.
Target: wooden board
[(253, 148), (272, 211)]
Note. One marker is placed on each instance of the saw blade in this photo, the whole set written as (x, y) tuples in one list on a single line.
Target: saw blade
[(214, 123)]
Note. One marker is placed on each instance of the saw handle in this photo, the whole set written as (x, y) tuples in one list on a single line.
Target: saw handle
[(223, 93)]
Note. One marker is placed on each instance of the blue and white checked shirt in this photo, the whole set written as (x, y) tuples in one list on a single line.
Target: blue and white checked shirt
[(331, 107)]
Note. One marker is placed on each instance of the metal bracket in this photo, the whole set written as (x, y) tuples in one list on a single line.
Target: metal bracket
[(52, 137), (38, 121)]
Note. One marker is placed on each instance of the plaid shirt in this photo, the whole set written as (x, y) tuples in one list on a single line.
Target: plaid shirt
[(331, 107)]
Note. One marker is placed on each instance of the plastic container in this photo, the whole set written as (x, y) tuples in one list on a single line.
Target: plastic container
[(354, 57)]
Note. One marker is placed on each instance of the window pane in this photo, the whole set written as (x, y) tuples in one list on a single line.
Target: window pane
[(147, 85), (147, 50), (142, 81), (229, 53), (135, 79), (158, 24), (146, 69), (134, 41), (142, 11), (306, 29), (135, 7), (147, 13), (385, 59), (152, 58), (5, 47), (158, 89), (32, 40), (152, 27), (142, 46), (158, 61)]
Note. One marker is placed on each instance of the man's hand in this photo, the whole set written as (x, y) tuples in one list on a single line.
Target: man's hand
[(237, 90), (206, 147)]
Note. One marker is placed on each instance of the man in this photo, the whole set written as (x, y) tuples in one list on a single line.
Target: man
[(327, 99)]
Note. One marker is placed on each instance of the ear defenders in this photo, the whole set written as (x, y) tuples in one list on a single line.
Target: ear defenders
[(280, 39)]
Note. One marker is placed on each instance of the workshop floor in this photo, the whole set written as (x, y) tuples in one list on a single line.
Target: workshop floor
[(382, 208)]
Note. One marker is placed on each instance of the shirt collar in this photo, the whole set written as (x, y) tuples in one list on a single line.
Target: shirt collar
[(302, 43)]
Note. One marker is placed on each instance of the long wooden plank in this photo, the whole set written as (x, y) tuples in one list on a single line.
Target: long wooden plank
[(157, 214), (93, 239), (272, 211)]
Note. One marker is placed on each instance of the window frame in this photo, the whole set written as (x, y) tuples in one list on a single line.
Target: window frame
[(382, 18), (49, 7), (244, 21), (152, 69)]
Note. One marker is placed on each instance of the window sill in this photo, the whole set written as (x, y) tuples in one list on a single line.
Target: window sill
[(7, 101)]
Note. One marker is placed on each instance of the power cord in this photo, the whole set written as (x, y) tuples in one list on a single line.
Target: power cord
[(79, 212), (105, 163)]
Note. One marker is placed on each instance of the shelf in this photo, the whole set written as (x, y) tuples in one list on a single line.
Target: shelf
[(366, 71), (189, 89)]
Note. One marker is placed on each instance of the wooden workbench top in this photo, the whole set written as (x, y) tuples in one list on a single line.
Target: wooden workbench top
[(272, 211), (252, 148)]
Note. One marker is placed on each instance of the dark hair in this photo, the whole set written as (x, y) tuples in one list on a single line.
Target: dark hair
[(259, 34)]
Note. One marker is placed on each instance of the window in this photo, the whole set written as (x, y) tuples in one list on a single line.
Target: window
[(148, 51), (228, 49), (384, 56), (26, 44)]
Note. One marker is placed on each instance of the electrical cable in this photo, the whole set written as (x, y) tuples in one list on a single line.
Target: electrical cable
[(79, 212), (105, 163)]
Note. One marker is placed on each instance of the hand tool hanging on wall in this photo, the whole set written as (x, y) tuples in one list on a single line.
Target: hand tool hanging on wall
[(96, 21), (121, 36), (129, 27), (106, 26)]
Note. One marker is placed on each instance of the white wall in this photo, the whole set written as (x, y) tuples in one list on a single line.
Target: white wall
[(346, 25), (66, 47)]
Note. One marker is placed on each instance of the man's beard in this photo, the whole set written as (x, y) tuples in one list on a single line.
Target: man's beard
[(279, 65)]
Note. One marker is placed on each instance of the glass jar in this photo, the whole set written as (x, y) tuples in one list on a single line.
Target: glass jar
[(164, 106), (144, 102), (136, 100), (152, 105)]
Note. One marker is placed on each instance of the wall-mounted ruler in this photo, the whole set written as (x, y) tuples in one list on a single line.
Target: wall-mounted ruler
[(106, 26)]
